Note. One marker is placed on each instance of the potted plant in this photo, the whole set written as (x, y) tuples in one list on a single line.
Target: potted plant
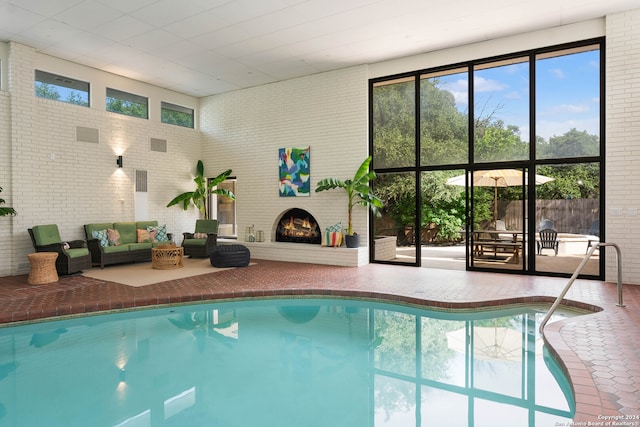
[(203, 190), (5, 210), (358, 193)]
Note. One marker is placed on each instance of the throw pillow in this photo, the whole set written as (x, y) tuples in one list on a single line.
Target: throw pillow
[(161, 233), (144, 236), (114, 237), (333, 235), (335, 227), (101, 235), (333, 238), (199, 235)]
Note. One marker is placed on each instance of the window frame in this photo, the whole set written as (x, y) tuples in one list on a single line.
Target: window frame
[(66, 83), (126, 97), (168, 106), (471, 164)]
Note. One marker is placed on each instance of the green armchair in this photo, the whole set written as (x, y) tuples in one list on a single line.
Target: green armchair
[(202, 242), (73, 256)]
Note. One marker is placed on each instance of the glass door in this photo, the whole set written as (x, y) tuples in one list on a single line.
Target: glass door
[(498, 229)]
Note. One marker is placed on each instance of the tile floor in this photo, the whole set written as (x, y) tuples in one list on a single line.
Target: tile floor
[(600, 351)]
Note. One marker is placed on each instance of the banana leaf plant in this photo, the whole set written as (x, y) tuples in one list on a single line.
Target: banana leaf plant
[(357, 189), (5, 210), (203, 190)]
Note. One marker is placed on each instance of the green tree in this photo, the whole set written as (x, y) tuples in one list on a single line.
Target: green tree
[(177, 118), (444, 140), (496, 142), (128, 108), (46, 90), (442, 205), (574, 143), (394, 125), (76, 98), (443, 128)]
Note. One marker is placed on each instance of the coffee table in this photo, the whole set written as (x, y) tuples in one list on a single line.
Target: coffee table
[(167, 257)]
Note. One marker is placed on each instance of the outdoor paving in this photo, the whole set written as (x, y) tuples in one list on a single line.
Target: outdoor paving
[(599, 351)]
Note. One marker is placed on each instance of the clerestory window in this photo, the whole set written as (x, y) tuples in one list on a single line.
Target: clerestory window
[(127, 103), (61, 88), (177, 115)]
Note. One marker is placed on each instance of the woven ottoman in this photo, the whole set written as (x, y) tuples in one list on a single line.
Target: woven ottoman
[(230, 256)]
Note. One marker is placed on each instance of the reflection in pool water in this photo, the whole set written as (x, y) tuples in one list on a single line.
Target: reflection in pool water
[(301, 362)]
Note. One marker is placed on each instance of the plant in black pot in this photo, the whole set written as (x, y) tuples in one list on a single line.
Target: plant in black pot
[(358, 193), (203, 190)]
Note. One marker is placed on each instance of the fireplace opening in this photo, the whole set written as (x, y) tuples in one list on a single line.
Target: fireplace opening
[(298, 226)]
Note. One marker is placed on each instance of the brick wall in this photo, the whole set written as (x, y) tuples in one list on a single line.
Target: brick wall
[(6, 253), (623, 142), (243, 131), (60, 180)]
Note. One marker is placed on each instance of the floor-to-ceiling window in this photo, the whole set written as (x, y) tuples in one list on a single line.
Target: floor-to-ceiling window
[(461, 151)]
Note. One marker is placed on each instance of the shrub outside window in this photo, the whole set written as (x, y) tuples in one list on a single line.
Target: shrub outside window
[(60, 88), (127, 103), (176, 115)]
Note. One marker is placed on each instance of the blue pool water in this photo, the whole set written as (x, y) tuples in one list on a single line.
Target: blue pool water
[(284, 363)]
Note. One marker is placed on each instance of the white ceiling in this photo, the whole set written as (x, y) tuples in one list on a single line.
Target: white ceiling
[(204, 47)]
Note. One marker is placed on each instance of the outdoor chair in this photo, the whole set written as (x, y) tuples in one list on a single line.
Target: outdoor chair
[(593, 231), (73, 256), (548, 240), (545, 224), (202, 242)]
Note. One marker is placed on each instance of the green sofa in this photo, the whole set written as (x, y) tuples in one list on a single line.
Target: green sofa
[(127, 249)]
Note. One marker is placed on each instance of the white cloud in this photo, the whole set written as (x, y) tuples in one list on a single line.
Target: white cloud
[(513, 95), (568, 108), (558, 73), (481, 84), (549, 128), (458, 89)]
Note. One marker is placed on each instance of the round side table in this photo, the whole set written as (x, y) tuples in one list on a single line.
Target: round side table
[(43, 268), (167, 257)]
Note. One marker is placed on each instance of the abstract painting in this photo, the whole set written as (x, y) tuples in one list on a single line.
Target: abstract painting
[(294, 172)]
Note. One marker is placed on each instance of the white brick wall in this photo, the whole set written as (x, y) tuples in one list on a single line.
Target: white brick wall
[(623, 142), (70, 183), (243, 131), (6, 236)]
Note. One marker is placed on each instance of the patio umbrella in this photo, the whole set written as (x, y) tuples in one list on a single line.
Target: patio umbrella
[(491, 343), (497, 178)]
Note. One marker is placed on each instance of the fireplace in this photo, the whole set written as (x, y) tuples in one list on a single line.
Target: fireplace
[(298, 226)]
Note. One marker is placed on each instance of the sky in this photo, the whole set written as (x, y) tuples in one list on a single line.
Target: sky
[(567, 87)]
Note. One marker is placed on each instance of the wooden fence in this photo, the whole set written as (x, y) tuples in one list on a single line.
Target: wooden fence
[(568, 215)]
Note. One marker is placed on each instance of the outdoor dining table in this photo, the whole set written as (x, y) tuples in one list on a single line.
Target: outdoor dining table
[(495, 234), (494, 242)]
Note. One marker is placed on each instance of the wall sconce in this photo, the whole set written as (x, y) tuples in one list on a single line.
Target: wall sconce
[(119, 161)]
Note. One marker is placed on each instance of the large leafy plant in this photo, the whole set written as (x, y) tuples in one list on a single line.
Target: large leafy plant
[(4, 211), (203, 190), (357, 189)]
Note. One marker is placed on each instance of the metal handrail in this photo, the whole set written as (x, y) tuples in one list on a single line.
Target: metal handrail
[(575, 275)]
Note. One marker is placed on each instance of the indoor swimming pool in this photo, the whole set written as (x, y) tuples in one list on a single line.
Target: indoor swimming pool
[(284, 362)]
